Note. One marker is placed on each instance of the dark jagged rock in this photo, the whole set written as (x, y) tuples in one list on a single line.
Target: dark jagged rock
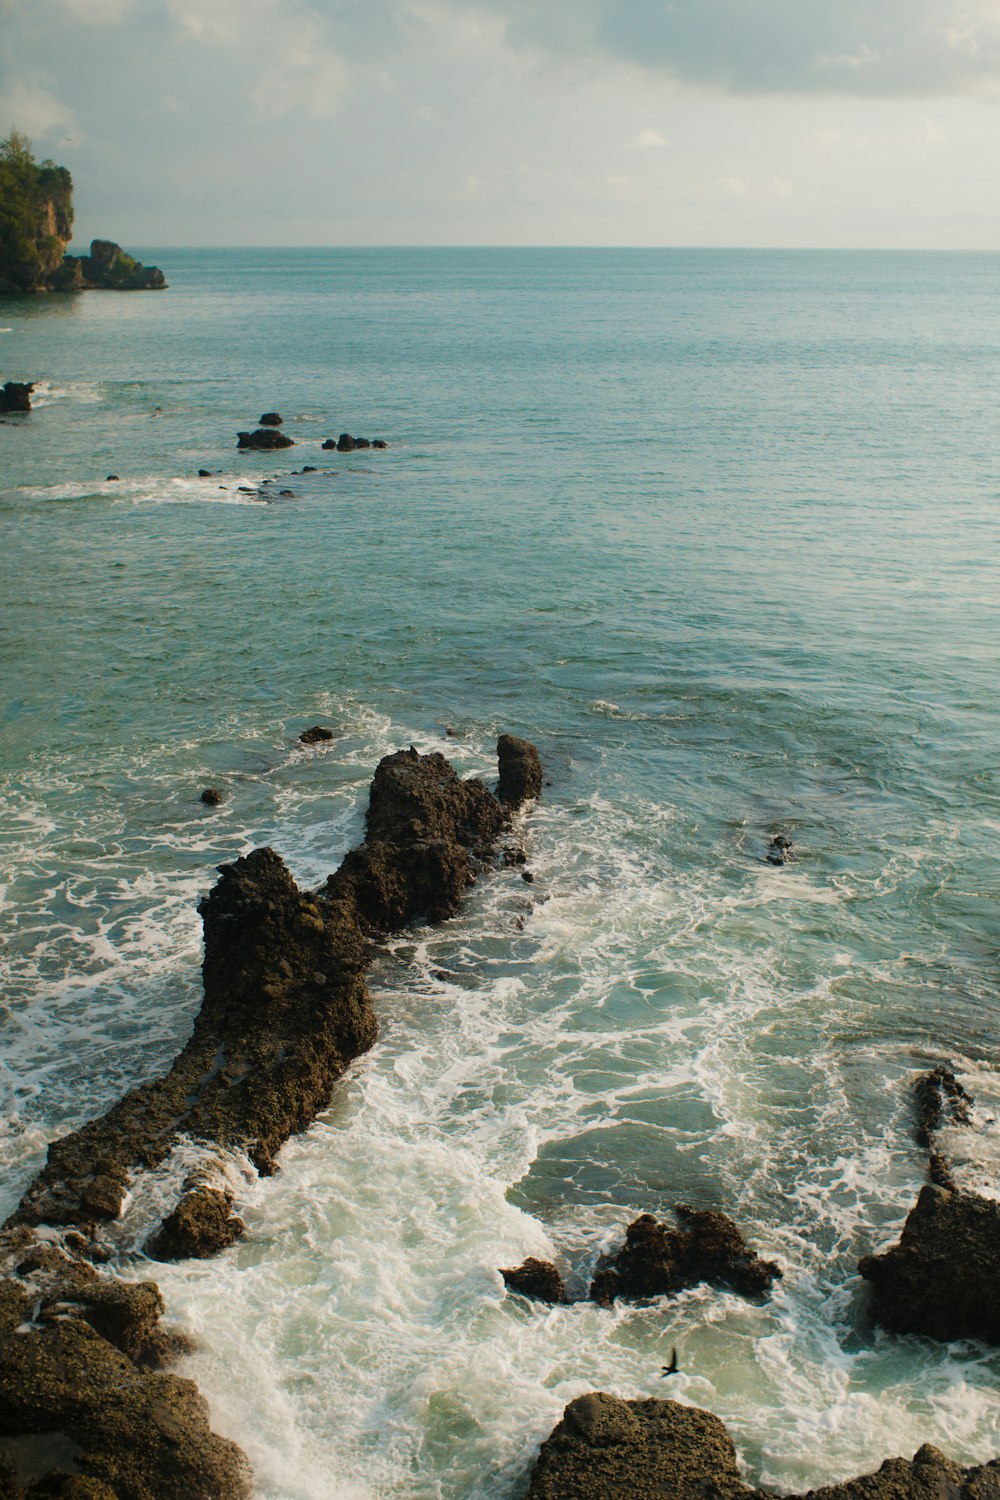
[(270, 419), (285, 1010), (76, 1393), (264, 439), (16, 396), (538, 1279), (608, 1449), (938, 1094), (110, 268), (427, 832), (658, 1261), (317, 735), (201, 1225), (345, 443), (212, 797), (330, 444), (943, 1278), (520, 771), (779, 850)]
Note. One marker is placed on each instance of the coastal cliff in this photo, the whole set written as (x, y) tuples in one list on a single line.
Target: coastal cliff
[(36, 223)]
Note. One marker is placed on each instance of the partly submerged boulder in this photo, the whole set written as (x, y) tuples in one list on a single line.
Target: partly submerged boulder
[(270, 419), (202, 1224), (657, 1260), (943, 1278), (520, 771), (538, 1279), (317, 735), (264, 439), (939, 1098), (16, 396)]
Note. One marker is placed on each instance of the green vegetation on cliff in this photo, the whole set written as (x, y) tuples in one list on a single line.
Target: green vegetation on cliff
[(36, 216)]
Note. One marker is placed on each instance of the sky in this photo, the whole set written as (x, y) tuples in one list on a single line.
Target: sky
[(831, 123)]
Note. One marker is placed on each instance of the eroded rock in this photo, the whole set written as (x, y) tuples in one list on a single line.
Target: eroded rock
[(264, 439), (538, 1279), (657, 1260), (317, 735), (520, 771), (943, 1278), (202, 1224)]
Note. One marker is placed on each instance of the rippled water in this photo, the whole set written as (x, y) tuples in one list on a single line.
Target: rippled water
[(720, 532)]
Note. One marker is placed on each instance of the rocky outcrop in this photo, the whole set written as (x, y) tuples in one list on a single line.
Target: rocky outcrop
[(285, 1010), (110, 268), (348, 444), (427, 833), (779, 850), (202, 1224), (658, 1261), (270, 419), (16, 396), (538, 1279), (264, 439), (317, 735), (943, 1278), (520, 771), (939, 1099), (608, 1449), (81, 1393)]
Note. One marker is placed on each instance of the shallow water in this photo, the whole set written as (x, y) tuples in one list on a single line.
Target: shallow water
[(719, 531)]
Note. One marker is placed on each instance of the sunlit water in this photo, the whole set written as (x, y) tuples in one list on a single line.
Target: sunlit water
[(720, 532)]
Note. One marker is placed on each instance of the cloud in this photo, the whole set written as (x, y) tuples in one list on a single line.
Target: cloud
[(291, 62), (650, 138), (875, 47), (30, 105)]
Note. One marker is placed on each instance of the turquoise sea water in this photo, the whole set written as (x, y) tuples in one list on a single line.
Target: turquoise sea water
[(720, 532)]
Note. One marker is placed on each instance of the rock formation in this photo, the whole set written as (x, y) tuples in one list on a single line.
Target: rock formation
[(285, 1009), (270, 419), (317, 735), (16, 396), (538, 1279), (943, 1278), (608, 1449), (658, 1261), (264, 439)]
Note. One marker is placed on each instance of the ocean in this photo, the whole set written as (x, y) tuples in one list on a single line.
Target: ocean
[(719, 531)]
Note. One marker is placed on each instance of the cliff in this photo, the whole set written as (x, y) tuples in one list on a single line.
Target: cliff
[(36, 222)]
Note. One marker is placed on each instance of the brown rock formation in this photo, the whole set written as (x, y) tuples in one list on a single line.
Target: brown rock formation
[(201, 1225), (608, 1449), (538, 1279), (943, 1278), (656, 1260)]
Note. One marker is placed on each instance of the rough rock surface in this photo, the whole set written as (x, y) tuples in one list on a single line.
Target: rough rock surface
[(202, 1224), (77, 1395), (428, 832), (608, 1449), (943, 1278), (520, 771), (535, 1278), (16, 396), (317, 735), (656, 1260), (270, 419), (109, 268), (264, 439), (938, 1096)]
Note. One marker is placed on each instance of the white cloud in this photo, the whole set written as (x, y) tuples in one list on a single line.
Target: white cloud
[(650, 138), (781, 187), (736, 187), (31, 106)]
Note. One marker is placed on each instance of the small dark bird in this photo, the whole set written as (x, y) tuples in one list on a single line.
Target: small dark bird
[(671, 1369)]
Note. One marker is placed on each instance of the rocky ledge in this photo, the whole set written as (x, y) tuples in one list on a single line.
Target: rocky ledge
[(285, 1009), (108, 268), (608, 1449)]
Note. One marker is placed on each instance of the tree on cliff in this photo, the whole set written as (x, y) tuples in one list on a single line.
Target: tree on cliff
[(36, 214)]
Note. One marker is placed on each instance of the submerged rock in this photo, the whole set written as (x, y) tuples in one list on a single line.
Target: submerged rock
[(317, 735), (658, 1261), (16, 396), (270, 419), (779, 850), (538, 1279), (264, 439), (212, 797), (943, 1278), (605, 1448)]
